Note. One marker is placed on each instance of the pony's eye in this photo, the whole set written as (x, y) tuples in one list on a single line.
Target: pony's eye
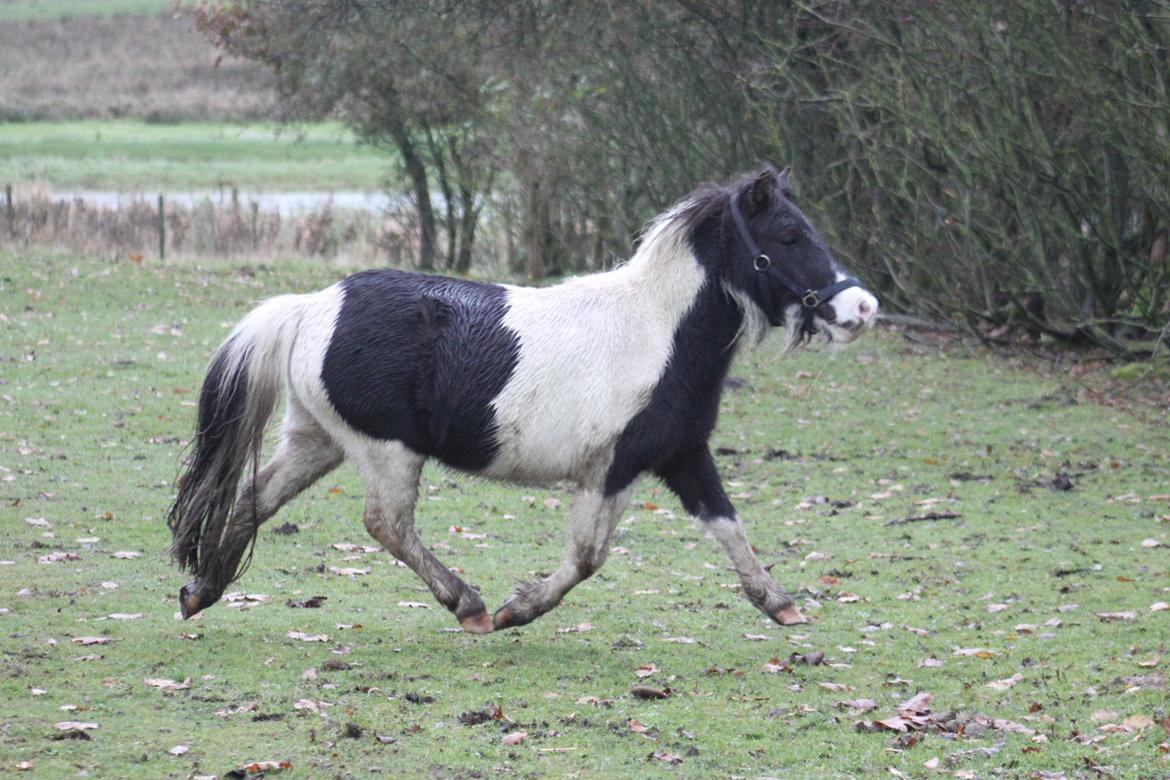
[(790, 238)]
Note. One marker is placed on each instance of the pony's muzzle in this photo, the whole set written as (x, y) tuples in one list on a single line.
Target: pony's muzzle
[(854, 311)]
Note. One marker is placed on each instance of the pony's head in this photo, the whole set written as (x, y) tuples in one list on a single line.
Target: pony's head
[(753, 238)]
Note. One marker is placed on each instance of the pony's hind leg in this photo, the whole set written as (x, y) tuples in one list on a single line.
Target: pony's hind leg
[(305, 454), (392, 472), (592, 518)]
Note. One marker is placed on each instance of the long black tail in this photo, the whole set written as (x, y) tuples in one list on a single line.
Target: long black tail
[(239, 393)]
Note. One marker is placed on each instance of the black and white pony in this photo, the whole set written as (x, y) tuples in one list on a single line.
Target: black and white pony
[(598, 380)]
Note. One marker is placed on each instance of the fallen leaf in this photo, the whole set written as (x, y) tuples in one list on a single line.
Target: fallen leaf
[(679, 640), (235, 709), (755, 637), (637, 726), (91, 640), (580, 628), (515, 738), (125, 616), (178, 750), (307, 637), (1110, 616), (648, 692), (1159, 606), (1151, 543), (832, 686), (257, 767), (645, 670), (126, 554), (349, 571), (978, 652), (74, 725), (414, 605), (167, 685), (348, 547), (1003, 685), (58, 556), (930, 662), (668, 758), (857, 706)]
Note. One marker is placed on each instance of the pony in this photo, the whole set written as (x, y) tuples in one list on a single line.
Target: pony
[(598, 380)]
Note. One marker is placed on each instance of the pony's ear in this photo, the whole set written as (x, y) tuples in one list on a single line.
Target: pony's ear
[(782, 178), (762, 190)]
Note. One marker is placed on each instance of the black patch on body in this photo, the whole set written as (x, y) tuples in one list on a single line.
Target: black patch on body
[(418, 359), (669, 435)]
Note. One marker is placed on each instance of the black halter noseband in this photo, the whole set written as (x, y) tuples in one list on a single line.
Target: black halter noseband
[(765, 272)]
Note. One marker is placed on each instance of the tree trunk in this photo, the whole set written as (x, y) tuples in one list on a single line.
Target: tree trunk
[(448, 197), (417, 172)]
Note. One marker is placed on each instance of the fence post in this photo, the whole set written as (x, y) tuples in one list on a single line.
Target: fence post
[(8, 211), (162, 230), (255, 220)]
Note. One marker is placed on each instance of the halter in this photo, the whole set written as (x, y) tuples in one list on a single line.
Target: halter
[(809, 298)]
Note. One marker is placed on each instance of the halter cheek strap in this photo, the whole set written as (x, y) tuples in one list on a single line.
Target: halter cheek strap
[(766, 271)]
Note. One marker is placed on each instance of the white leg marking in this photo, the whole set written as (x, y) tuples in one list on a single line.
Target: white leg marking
[(759, 587), (391, 473), (592, 519)]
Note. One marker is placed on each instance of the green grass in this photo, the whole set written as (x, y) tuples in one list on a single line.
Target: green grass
[(101, 368), (133, 156), (13, 10)]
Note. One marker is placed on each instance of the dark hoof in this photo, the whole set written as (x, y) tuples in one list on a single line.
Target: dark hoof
[(789, 616), (189, 601), (478, 623)]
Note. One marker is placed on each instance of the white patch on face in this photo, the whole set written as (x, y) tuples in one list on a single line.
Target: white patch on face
[(591, 351), (854, 310)]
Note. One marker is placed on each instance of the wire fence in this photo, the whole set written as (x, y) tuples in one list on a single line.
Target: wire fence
[(143, 228)]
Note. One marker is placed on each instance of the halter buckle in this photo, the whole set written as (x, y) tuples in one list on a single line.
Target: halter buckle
[(811, 299), (762, 262)]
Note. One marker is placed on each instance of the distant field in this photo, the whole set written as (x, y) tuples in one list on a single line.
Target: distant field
[(133, 156), (56, 9), (120, 62)]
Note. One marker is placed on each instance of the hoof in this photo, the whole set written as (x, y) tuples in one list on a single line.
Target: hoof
[(503, 618), (189, 601), (477, 623), (789, 616)]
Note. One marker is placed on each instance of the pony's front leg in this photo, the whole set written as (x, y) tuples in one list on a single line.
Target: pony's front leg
[(759, 587), (696, 482), (391, 492), (592, 518)]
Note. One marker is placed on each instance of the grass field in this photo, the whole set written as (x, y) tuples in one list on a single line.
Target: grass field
[(133, 156), (956, 523)]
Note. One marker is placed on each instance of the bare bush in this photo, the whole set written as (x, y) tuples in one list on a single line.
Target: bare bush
[(206, 229)]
